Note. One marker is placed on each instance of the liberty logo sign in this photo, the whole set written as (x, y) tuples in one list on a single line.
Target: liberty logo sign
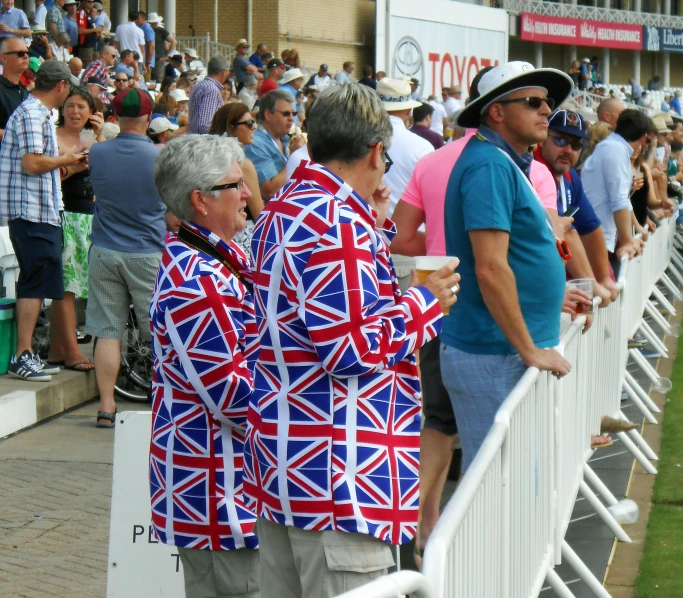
[(653, 39)]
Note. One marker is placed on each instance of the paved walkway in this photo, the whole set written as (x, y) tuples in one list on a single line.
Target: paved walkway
[(55, 490)]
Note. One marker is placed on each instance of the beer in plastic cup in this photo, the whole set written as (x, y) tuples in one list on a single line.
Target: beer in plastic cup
[(426, 264), (586, 285)]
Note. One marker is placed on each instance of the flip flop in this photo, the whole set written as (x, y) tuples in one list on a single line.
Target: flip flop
[(75, 367), (599, 445), (109, 417), (60, 363)]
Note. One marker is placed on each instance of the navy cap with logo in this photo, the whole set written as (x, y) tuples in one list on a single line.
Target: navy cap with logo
[(569, 123)]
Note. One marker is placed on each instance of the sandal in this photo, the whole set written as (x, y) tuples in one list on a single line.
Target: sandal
[(612, 425), (108, 417), (598, 442)]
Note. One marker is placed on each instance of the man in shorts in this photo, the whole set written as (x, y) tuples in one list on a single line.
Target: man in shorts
[(31, 199), (127, 239)]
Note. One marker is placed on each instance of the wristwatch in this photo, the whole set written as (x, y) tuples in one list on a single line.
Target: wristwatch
[(11, 30)]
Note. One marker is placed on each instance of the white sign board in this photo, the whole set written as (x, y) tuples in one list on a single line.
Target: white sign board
[(139, 565), (439, 42)]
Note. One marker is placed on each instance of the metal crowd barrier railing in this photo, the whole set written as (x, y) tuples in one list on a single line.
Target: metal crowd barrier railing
[(503, 531)]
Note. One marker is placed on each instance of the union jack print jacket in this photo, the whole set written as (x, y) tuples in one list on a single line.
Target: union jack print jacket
[(203, 333), (334, 420)]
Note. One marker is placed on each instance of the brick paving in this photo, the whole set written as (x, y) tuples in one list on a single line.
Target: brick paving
[(55, 492)]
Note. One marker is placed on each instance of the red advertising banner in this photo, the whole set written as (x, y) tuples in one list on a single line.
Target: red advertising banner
[(580, 32)]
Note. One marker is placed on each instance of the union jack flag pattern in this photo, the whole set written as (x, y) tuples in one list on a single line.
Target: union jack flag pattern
[(203, 331), (334, 420)]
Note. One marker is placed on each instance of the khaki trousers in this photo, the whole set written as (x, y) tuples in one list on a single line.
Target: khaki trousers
[(297, 563), (220, 573)]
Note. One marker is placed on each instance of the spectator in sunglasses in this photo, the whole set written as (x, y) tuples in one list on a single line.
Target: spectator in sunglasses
[(272, 144), (14, 61), (235, 120)]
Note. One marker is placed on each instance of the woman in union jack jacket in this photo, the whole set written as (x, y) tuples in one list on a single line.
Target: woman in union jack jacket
[(332, 452), (203, 331)]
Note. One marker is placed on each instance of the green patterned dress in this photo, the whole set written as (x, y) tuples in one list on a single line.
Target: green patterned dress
[(76, 227)]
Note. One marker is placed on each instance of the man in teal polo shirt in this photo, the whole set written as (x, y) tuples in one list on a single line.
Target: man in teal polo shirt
[(513, 280)]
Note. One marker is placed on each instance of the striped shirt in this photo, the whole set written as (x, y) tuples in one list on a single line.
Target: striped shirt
[(205, 100), (34, 197)]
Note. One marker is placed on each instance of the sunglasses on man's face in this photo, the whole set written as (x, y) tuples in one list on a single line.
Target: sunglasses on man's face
[(575, 144), (533, 102), (17, 53), (121, 80)]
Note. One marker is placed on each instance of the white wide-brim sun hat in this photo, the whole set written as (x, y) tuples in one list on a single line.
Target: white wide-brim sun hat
[(395, 94), (509, 77)]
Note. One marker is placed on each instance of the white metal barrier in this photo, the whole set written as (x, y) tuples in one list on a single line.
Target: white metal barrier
[(503, 531), (206, 48)]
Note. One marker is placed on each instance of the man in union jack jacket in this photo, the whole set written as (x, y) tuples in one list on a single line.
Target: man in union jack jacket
[(332, 450)]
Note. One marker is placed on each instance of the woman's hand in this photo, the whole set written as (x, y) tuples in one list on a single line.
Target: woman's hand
[(638, 182), (97, 122)]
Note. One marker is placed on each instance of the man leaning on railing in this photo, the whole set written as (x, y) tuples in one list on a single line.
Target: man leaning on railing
[(508, 318)]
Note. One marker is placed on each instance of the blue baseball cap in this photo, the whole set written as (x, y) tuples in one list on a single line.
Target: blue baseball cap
[(569, 123)]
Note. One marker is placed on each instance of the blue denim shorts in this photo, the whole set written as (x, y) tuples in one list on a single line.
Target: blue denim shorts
[(477, 386)]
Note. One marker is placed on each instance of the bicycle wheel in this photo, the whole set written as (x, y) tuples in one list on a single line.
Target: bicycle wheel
[(134, 381)]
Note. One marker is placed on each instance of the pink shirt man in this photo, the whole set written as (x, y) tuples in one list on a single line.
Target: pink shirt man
[(430, 179)]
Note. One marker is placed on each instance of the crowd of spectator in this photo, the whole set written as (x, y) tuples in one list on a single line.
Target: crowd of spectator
[(266, 224)]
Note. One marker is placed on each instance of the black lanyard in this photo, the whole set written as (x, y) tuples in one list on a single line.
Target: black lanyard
[(197, 242)]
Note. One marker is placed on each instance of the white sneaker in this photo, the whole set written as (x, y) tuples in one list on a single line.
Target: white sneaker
[(45, 367)]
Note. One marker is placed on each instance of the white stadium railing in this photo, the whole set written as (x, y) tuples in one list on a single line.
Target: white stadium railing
[(502, 533), (206, 48)]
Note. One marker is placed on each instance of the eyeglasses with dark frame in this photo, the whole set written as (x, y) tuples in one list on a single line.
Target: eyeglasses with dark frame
[(286, 113), (576, 144), (117, 80), (388, 162), (238, 185), (17, 53), (532, 102), (251, 123)]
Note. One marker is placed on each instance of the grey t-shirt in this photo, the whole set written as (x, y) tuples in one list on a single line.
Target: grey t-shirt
[(239, 65), (129, 216)]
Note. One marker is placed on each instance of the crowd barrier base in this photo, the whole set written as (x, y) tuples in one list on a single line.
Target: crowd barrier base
[(502, 533)]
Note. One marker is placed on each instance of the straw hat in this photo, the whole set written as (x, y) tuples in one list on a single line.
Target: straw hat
[(290, 75), (395, 94)]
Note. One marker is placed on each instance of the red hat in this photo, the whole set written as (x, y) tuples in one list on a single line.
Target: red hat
[(133, 103)]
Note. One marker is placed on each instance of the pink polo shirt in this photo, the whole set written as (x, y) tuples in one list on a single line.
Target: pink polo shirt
[(430, 180)]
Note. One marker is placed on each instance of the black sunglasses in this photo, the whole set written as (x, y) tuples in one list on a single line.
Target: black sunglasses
[(237, 185), (286, 113), (388, 162), (576, 145), (533, 102), (19, 53), (121, 80), (250, 123)]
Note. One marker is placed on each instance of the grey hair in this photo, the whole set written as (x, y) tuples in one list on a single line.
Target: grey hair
[(270, 100), (217, 64), (193, 162), (63, 36), (345, 122)]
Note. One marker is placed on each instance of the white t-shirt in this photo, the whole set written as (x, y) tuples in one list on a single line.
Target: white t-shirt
[(130, 37), (322, 82), (437, 116), (660, 154), (39, 17), (295, 159), (405, 151), (60, 53), (452, 105)]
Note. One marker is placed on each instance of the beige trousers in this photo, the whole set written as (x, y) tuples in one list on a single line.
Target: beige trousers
[(220, 573), (297, 563)]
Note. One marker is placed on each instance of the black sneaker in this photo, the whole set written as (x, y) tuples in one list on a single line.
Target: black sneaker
[(25, 367), (45, 367)]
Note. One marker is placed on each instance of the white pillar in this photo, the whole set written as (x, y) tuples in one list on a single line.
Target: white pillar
[(169, 16), (636, 65), (250, 21), (215, 20), (121, 15), (572, 53), (538, 55), (666, 69), (637, 6), (605, 65), (30, 9), (152, 6)]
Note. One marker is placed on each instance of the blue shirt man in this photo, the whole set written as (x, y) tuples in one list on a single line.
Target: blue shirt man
[(71, 27), (13, 19), (511, 206), (266, 156), (126, 221), (675, 103), (149, 37)]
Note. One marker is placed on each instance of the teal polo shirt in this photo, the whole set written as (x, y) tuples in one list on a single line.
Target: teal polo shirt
[(486, 190)]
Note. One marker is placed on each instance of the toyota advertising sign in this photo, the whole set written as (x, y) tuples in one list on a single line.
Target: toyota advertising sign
[(441, 43)]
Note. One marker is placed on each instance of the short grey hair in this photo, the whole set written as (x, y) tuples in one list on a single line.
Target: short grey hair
[(217, 64), (270, 100), (345, 122), (193, 162)]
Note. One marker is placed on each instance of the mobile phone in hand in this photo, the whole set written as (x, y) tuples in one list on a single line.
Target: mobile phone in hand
[(570, 212)]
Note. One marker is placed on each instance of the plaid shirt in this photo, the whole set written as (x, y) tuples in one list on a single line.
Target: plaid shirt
[(34, 197), (55, 15), (205, 99), (96, 69)]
